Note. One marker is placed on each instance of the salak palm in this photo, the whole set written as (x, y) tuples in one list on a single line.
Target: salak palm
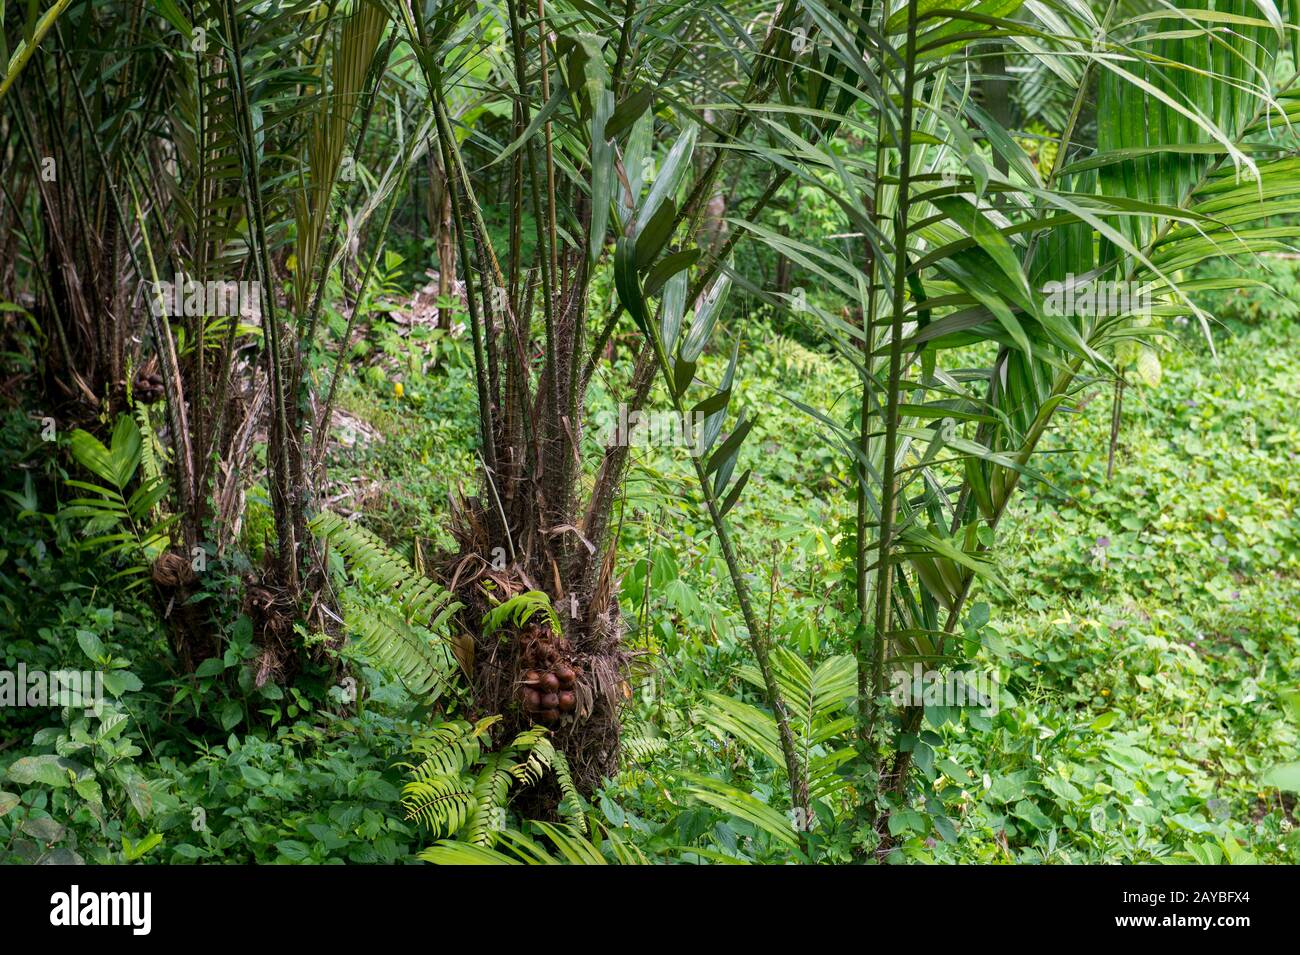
[(588, 89), (201, 143)]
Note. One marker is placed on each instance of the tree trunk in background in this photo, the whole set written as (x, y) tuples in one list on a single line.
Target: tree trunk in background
[(440, 227)]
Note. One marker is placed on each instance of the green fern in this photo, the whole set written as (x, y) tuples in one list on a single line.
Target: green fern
[(422, 600), (443, 804), (450, 748), (491, 791), (441, 796), (518, 610), (411, 641), (458, 791), (568, 846), (639, 748), (570, 802), (416, 656), (153, 454)]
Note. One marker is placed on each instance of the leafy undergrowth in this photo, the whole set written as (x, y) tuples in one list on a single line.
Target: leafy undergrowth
[(1148, 642), (1145, 640)]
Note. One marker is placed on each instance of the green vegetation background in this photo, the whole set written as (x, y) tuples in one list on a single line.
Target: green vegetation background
[(1147, 647)]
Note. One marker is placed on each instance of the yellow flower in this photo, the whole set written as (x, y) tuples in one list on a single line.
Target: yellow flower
[(1105, 692), (398, 390)]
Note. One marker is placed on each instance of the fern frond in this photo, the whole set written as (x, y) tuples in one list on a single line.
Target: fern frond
[(441, 803), (413, 654), (518, 610), (153, 456), (422, 600), (412, 644), (538, 750), (491, 790), (570, 802), (531, 769), (443, 796), (528, 738), (449, 748), (640, 748)]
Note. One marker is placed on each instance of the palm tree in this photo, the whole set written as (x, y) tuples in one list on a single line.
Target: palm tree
[(213, 146), (588, 92)]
